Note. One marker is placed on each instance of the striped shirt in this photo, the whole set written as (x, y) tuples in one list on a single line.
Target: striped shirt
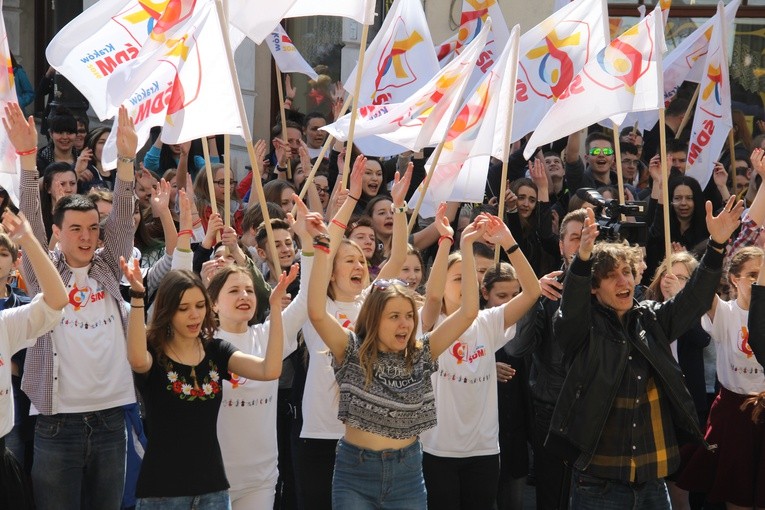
[(41, 370), (638, 442)]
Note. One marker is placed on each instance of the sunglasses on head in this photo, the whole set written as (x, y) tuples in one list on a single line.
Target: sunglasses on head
[(384, 284), (605, 151)]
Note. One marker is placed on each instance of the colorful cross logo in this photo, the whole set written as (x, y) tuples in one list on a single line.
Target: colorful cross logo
[(556, 68), (715, 83), (395, 61), (472, 20)]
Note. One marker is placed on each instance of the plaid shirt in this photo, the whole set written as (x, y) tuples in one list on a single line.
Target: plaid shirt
[(746, 237), (41, 370), (638, 443)]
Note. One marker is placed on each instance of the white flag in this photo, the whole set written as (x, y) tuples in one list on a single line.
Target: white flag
[(9, 161), (362, 11), (624, 77), (257, 18), (286, 55), (551, 54), (712, 121), (399, 60), (479, 131), (422, 119), (185, 88)]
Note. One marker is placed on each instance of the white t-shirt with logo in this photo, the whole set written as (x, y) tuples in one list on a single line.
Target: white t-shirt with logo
[(19, 329), (466, 390), (90, 349), (737, 368)]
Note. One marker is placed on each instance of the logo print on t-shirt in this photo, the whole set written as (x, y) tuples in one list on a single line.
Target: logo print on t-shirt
[(743, 344), (461, 351), (236, 380), (79, 297), (344, 321)]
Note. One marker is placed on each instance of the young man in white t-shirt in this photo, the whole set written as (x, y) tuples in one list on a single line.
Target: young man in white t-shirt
[(77, 376)]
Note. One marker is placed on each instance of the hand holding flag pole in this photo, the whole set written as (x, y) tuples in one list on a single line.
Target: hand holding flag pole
[(223, 21)]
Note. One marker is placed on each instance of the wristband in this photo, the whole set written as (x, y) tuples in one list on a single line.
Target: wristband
[(137, 295), (718, 246), (512, 249), (321, 247), (27, 153), (188, 232), (183, 250), (341, 225), (135, 306), (450, 238), (281, 168), (125, 159), (352, 197), (397, 210)]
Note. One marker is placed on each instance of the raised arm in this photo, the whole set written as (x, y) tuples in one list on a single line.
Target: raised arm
[(330, 331), (269, 367), (450, 329), (434, 288), (498, 233), (51, 286), (395, 262), (138, 355), (160, 208)]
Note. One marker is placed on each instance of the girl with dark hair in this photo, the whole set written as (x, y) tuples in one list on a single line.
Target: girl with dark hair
[(379, 211), (100, 178), (529, 218), (179, 366), (58, 181), (62, 128)]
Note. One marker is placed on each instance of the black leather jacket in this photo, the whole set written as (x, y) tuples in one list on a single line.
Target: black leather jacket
[(756, 323), (596, 345)]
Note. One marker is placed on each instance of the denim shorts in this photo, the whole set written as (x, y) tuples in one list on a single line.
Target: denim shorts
[(386, 479), (211, 501)]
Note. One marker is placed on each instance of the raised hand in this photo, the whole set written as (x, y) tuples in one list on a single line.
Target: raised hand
[(127, 139), (17, 227), (357, 175), (184, 211), (401, 186), (589, 235), (758, 161), (443, 226), (473, 231), (720, 175), (497, 232), (133, 274), (289, 90), (671, 285), (22, 132), (279, 293), (160, 198), (551, 287), (721, 227), (538, 173)]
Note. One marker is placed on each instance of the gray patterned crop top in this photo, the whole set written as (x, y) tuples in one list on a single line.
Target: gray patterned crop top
[(398, 403)]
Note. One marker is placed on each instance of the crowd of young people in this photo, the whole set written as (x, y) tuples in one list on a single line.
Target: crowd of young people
[(176, 362)]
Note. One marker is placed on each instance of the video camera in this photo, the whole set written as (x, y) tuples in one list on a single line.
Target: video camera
[(608, 215)]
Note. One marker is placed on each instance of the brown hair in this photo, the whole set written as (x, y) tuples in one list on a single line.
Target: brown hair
[(653, 292), (368, 326), (221, 277), (346, 242), (741, 257), (169, 295), (607, 256)]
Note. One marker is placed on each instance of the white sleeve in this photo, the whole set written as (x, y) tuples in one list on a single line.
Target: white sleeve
[(182, 260), (296, 313), (24, 324)]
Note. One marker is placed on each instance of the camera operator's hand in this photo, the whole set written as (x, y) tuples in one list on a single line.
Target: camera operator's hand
[(551, 287), (589, 235), (721, 227)]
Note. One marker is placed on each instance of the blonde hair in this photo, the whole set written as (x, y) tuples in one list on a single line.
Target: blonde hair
[(654, 289)]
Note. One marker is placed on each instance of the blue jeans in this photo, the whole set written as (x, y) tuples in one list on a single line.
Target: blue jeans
[(210, 501), (80, 460), (591, 492), (387, 479)]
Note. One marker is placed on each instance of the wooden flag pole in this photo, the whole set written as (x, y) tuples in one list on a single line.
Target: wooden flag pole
[(732, 167), (283, 115), (619, 175), (227, 179), (247, 135), (501, 201), (424, 186), (687, 114), (210, 179), (327, 143), (665, 188), (355, 105)]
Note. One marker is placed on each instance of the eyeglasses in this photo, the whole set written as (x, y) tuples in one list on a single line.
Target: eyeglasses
[(222, 182), (597, 151), (384, 284), (322, 190), (629, 162)]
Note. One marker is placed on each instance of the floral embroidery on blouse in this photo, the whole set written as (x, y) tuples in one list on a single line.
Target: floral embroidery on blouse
[(208, 387)]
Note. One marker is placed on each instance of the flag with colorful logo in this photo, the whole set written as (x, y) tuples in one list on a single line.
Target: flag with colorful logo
[(623, 77), (286, 55), (446, 50), (362, 11), (183, 85), (712, 121), (399, 60), (551, 54), (257, 19), (90, 49), (478, 132), (9, 161), (421, 119)]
